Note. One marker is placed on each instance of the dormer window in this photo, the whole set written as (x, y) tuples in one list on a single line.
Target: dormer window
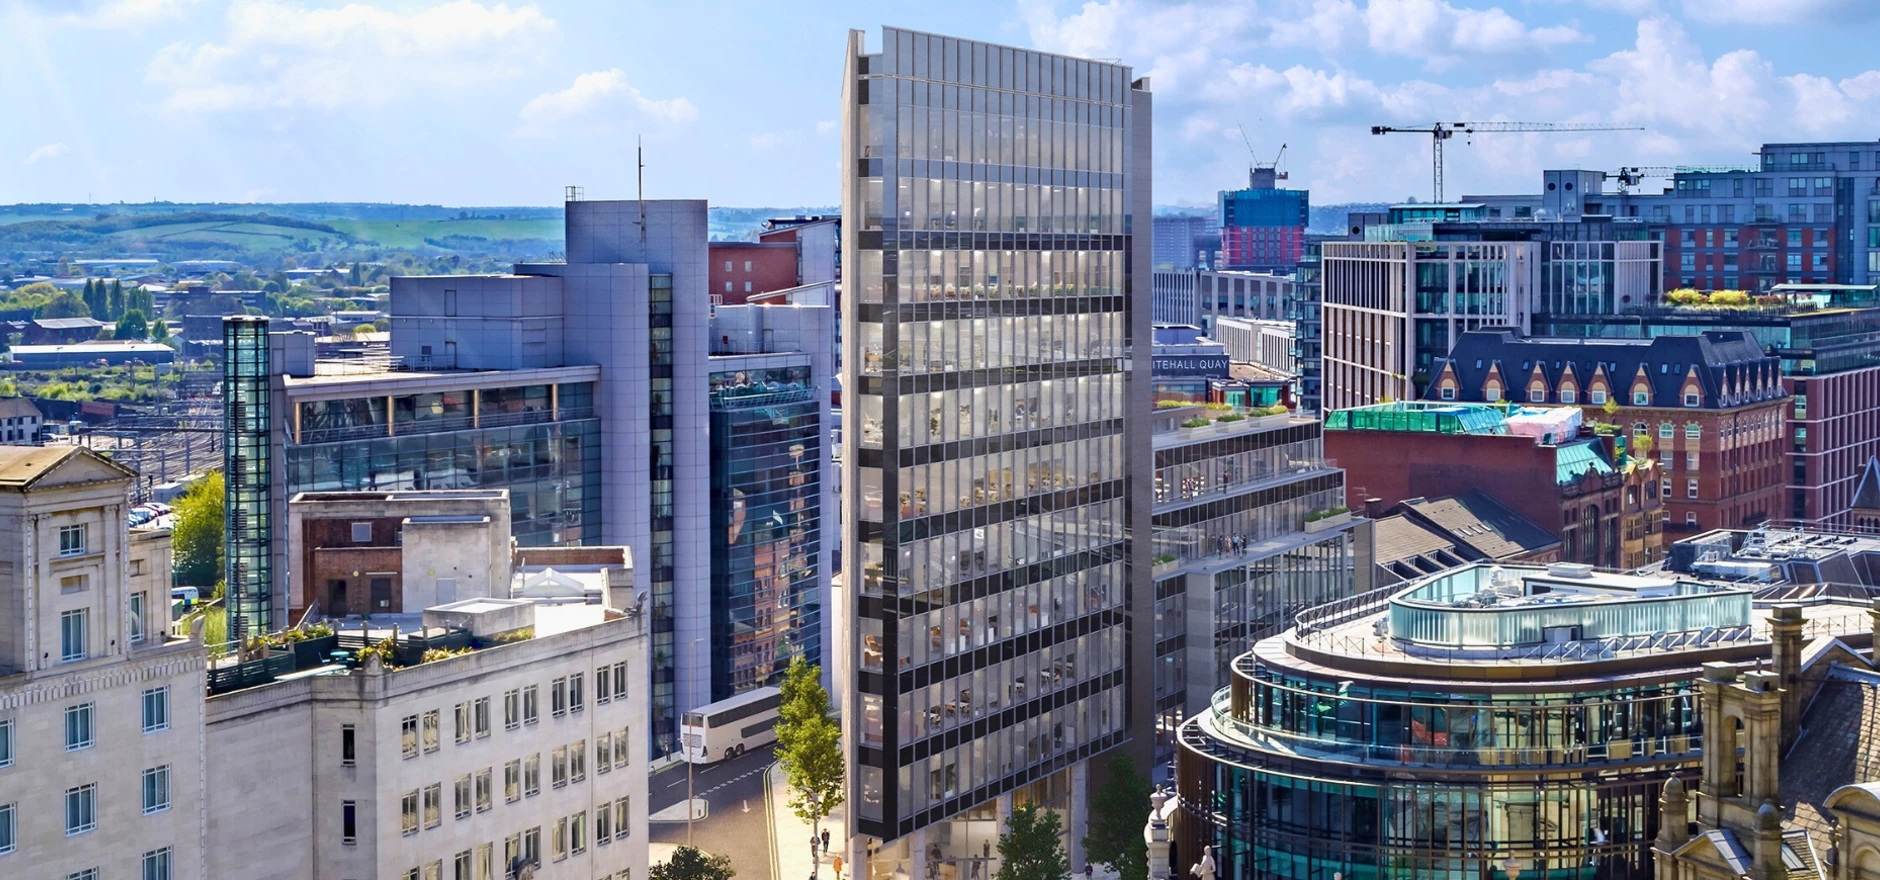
[(1536, 395), (1492, 394), (1597, 397), (1567, 395), (1449, 393), (1641, 398), (1690, 400)]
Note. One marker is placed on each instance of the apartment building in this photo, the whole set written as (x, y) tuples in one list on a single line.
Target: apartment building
[(101, 770), (527, 750)]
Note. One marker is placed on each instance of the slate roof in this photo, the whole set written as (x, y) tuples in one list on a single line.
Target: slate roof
[(1839, 744), (1427, 535), (1732, 367), (1867, 493), (1484, 524)]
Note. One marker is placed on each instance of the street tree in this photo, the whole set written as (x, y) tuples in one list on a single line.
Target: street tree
[(197, 536), (1118, 813), (131, 326), (1032, 847), (809, 745), (691, 864)]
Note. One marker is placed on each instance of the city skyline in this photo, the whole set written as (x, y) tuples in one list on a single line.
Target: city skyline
[(469, 102)]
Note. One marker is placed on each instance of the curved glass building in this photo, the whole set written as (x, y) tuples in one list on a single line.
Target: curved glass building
[(1490, 721)]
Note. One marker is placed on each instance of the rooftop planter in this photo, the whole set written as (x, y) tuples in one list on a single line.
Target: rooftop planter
[(1326, 520), (1164, 564)]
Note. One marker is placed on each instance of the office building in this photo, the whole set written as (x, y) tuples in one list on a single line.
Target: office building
[(1491, 720), (818, 241), (1263, 227), (574, 385), (742, 269), (101, 762), (1242, 543), (770, 377), (1604, 505), (1827, 337), (1182, 242), (1270, 344), (995, 290), (1709, 408), (491, 735), (1198, 296), (1306, 311), (1396, 301), (20, 421)]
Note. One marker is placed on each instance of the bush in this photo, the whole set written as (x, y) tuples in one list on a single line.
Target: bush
[(1171, 404), (1220, 407), (386, 650), (1196, 423), (431, 654), (1327, 513), (1231, 417), (1164, 559)]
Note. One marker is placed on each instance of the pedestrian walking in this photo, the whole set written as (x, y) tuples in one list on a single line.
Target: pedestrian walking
[(825, 840)]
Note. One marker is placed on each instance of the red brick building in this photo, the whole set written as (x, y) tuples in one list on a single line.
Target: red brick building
[(1603, 506), (1709, 407), (740, 269)]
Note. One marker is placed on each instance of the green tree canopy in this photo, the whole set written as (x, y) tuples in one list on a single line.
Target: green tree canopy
[(197, 537), (809, 744), (1032, 847), (64, 304), (160, 331), (131, 326), (690, 864), (1118, 812)]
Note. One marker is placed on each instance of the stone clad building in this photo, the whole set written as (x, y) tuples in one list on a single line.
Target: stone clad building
[(100, 707)]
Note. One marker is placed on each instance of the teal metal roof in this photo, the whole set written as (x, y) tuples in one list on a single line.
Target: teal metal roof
[(1573, 460)]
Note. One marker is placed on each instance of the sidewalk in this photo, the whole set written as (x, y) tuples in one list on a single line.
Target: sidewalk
[(789, 836)]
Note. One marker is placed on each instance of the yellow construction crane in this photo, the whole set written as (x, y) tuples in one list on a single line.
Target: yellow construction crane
[(1442, 131)]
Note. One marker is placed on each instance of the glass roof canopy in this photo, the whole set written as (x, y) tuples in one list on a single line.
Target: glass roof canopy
[(1487, 606)]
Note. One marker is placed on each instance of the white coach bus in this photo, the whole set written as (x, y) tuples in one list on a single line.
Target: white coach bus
[(727, 728)]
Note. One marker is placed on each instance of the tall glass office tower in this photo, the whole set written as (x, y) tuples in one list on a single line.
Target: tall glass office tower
[(988, 436)]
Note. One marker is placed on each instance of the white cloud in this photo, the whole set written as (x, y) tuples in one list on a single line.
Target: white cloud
[(1760, 13), (122, 13), (1435, 29), (600, 95), (1326, 27), (280, 54), (48, 151), (827, 126), (1664, 83)]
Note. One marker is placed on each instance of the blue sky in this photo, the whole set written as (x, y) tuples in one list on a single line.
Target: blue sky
[(479, 102)]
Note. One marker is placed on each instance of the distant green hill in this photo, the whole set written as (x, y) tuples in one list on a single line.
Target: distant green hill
[(310, 233)]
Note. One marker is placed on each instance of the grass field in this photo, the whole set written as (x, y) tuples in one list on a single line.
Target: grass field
[(412, 233)]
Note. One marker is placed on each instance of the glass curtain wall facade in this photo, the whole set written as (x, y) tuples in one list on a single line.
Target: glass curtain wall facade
[(661, 573), (247, 467), (541, 442), (767, 450), (990, 320)]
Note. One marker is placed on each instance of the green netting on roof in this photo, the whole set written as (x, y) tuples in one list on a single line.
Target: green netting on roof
[(1429, 418)]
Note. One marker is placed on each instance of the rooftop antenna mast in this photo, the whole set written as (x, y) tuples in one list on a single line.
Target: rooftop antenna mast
[(639, 159)]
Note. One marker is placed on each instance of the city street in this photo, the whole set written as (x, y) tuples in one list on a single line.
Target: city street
[(735, 823)]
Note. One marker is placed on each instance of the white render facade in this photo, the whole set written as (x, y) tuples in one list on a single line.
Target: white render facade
[(1387, 301), (100, 708), (532, 750)]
